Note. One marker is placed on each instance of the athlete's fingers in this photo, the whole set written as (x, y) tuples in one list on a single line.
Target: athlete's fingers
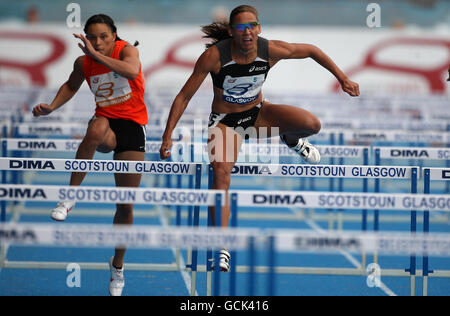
[(41, 109), (164, 151), (164, 154), (82, 48)]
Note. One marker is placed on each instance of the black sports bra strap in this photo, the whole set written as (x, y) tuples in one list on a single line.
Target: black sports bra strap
[(263, 48), (224, 48)]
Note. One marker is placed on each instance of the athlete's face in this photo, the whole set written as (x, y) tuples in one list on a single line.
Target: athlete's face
[(245, 31), (101, 38)]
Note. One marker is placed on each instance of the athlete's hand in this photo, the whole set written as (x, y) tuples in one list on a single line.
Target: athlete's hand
[(164, 151), (87, 48), (42, 109), (352, 88)]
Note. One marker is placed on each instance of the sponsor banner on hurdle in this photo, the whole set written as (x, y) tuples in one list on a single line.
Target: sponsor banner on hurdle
[(358, 242), (335, 171), (50, 129), (85, 194), (71, 145), (140, 236), (35, 144), (439, 174), (137, 236), (283, 150), (99, 166), (385, 124), (341, 200), (414, 152), (68, 129), (396, 136)]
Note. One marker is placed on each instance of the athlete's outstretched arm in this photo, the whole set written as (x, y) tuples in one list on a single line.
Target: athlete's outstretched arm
[(128, 66), (283, 50), (203, 66), (65, 92)]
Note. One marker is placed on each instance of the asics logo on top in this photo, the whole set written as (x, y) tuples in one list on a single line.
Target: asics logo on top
[(254, 68)]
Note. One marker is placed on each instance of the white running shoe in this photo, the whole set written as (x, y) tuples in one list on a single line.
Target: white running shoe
[(224, 261), (117, 281), (307, 151), (59, 213)]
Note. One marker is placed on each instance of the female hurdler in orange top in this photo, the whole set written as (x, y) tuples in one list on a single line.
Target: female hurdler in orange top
[(112, 70)]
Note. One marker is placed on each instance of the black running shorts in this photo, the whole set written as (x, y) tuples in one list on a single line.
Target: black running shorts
[(130, 136)]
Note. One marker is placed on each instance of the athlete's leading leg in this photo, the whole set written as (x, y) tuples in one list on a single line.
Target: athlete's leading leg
[(99, 136), (294, 125)]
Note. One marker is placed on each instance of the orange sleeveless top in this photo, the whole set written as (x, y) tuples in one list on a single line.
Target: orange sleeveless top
[(116, 97)]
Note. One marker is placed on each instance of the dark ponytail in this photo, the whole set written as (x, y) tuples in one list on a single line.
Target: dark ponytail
[(103, 18), (218, 31)]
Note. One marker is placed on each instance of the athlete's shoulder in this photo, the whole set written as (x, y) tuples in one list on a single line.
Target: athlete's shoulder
[(79, 62), (209, 60), (80, 59), (277, 44)]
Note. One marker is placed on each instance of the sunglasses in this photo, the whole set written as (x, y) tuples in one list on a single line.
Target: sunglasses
[(243, 26)]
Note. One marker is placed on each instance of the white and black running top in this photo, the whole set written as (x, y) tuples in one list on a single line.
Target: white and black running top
[(241, 83)]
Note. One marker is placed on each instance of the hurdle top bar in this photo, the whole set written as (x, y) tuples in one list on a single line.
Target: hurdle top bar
[(107, 195), (436, 174), (100, 166), (71, 145), (427, 153), (325, 171), (342, 200), (142, 236), (184, 168)]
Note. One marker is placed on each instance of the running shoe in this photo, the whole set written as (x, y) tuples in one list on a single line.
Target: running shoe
[(224, 261), (304, 148), (59, 213), (117, 281)]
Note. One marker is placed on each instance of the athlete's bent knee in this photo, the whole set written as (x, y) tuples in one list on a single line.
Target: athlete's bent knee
[(315, 126)]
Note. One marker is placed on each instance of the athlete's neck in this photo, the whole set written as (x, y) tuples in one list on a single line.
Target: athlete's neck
[(244, 55)]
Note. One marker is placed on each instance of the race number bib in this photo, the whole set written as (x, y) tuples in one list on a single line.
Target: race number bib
[(242, 90), (110, 89)]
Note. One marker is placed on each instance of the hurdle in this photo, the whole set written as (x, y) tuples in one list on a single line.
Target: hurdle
[(364, 172), (193, 170), (423, 154), (108, 195), (382, 201), (395, 136), (430, 174), (250, 240)]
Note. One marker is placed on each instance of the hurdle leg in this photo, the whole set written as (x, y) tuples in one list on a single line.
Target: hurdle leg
[(425, 286), (209, 253), (208, 283), (413, 285), (193, 282), (2, 255)]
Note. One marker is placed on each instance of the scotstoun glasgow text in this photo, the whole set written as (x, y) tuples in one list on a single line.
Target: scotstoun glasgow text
[(106, 195), (353, 201), (340, 171)]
